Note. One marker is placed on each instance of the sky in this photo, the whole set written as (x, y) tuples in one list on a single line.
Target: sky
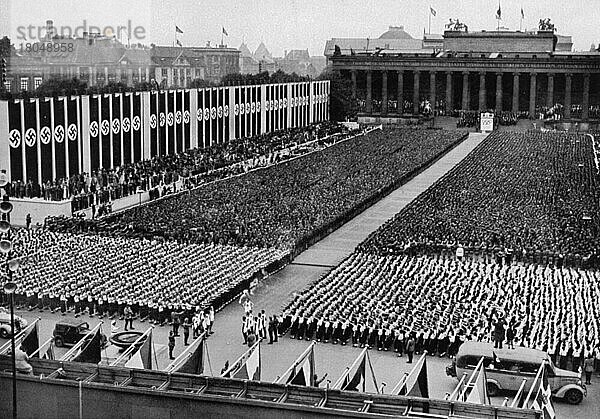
[(291, 24)]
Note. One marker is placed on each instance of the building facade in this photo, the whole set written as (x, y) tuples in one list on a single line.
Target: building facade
[(99, 60), (520, 72)]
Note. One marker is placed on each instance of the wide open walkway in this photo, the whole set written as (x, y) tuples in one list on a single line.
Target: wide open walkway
[(272, 293)]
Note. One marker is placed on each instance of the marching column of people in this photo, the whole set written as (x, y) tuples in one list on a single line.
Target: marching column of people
[(257, 325)]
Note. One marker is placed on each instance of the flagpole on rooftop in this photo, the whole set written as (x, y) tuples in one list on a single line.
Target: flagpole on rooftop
[(430, 20), (499, 15)]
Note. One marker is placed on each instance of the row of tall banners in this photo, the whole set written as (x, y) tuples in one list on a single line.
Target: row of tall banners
[(44, 139)]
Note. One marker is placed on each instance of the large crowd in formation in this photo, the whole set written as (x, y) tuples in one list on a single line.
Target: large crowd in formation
[(104, 184), (286, 204), (495, 251), (532, 195), (101, 274), (227, 233), (380, 301)]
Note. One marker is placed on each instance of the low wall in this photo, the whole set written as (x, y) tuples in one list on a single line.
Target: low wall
[(39, 210), (49, 399), (561, 125), (64, 389), (393, 120)]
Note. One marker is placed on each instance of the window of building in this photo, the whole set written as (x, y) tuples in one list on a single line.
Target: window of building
[(164, 72), (24, 83), (37, 82), (8, 85)]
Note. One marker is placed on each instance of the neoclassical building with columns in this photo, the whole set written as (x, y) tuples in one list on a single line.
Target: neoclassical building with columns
[(522, 72)]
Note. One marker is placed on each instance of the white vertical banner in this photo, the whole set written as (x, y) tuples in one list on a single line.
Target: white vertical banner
[(209, 119), (174, 119), (131, 118), (220, 116), (39, 143), (66, 127), (22, 106), (79, 142), (237, 110), (302, 101), (200, 117), (325, 95), (4, 141), (194, 118), (110, 130), (166, 151), (185, 139), (53, 142), (100, 136), (276, 102), (214, 114), (315, 103), (231, 117), (289, 105), (85, 156), (311, 101), (243, 110), (263, 109), (224, 118), (252, 107), (145, 114), (318, 101)]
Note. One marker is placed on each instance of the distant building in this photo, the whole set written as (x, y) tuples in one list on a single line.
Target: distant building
[(526, 73), (264, 58), (394, 39), (177, 66), (99, 60), (248, 64), (296, 61)]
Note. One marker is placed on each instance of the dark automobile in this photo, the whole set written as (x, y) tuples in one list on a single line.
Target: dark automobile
[(68, 333)]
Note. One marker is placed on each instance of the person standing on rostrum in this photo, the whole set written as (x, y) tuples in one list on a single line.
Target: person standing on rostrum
[(171, 344)]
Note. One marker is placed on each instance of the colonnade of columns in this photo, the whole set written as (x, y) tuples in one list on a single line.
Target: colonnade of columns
[(514, 103)]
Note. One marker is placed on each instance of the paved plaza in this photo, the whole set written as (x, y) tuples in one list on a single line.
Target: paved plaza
[(273, 292)]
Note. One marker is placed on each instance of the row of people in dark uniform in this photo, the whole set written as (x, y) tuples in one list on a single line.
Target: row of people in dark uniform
[(384, 339)]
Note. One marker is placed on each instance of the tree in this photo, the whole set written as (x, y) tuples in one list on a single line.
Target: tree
[(57, 86), (200, 84), (342, 104)]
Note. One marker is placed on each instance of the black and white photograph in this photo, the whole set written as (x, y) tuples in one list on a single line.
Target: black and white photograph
[(300, 209)]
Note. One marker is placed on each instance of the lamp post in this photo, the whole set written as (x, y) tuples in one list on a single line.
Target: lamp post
[(10, 287)]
